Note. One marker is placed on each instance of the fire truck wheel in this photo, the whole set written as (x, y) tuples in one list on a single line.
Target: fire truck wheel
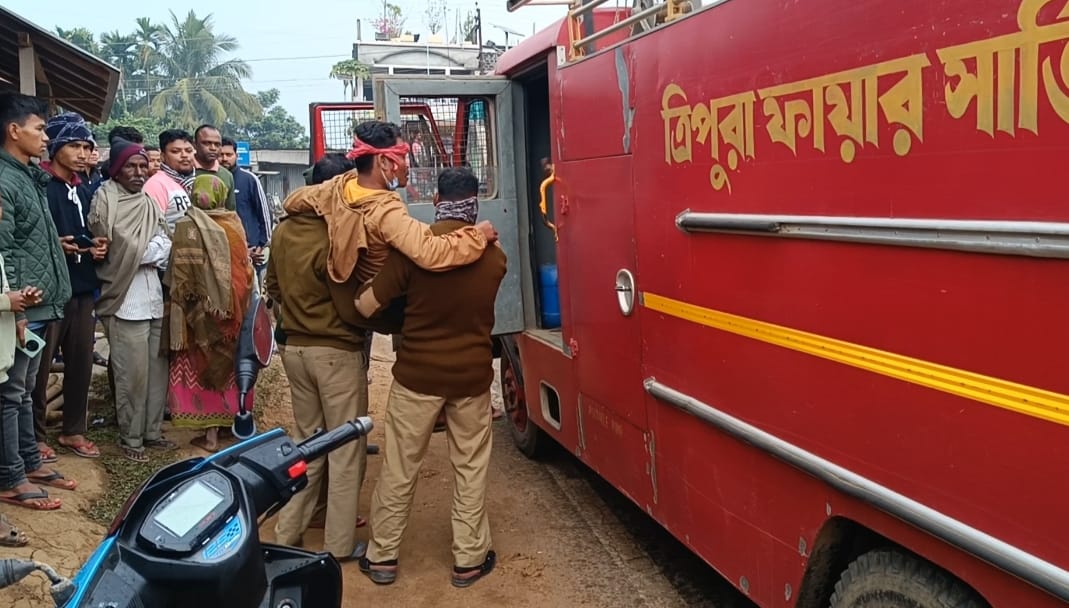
[(528, 437), (886, 578)]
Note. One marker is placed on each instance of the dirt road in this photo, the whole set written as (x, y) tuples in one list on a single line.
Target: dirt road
[(563, 538)]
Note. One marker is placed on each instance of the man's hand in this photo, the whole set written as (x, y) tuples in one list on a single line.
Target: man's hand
[(488, 230), (100, 251), (20, 331), (68, 245), (17, 300), (257, 255), (24, 298)]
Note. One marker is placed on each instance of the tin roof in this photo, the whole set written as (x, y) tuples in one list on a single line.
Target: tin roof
[(67, 76)]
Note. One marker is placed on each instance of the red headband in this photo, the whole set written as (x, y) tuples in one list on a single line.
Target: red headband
[(396, 152)]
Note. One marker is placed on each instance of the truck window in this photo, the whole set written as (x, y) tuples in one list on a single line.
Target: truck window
[(442, 132), (448, 132)]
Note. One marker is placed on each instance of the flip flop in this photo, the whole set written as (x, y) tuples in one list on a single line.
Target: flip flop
[(85, 448), (466, 577), (22, 500), (48, 455), (14, 537), (134, 454), (55, 479), (161, 444)]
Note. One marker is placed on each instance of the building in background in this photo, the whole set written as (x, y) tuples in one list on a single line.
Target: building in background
[(414, 54), (280, 172)]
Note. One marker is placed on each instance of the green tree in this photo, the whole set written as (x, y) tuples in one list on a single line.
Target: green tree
[(149, 40), (149, 127), (120, 50), (197, 84), (81, 38), (276, 129), (348, 71)]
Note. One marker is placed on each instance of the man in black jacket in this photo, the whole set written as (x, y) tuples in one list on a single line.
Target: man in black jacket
[(69, 145)]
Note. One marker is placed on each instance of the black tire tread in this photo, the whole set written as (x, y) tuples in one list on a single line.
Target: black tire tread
[(895, 571)]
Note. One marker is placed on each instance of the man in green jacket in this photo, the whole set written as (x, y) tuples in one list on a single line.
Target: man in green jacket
[(33, 256)]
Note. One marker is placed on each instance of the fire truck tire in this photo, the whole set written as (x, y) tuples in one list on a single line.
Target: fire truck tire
[(886, 578), (527, 437)]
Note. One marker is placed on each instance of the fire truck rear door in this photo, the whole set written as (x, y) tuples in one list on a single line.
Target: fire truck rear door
[(464, 121)]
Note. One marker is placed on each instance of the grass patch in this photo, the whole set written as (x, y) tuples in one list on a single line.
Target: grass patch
[(122, 476)]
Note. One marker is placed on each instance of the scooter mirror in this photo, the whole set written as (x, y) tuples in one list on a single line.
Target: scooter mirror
[(255, 344)]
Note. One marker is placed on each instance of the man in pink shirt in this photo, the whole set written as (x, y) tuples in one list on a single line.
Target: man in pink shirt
[(169, 187)]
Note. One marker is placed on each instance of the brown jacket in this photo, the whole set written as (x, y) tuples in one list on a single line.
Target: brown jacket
[(446, 348), (362, 230), (314, 309)]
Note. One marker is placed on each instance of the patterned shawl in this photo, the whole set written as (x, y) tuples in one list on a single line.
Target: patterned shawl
[(211, 282)]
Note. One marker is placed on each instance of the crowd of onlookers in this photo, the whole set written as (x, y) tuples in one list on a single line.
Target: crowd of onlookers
[(159, 244), (165, 246)]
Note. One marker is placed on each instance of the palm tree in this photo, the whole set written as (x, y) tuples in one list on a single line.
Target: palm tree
[(120, 50), (198, 85), (149, 37), (349, 71), (80, 37)]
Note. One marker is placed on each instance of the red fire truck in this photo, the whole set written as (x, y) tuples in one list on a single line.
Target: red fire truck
[(796, 290)]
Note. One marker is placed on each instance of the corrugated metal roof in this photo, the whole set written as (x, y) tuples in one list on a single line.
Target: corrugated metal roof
[(72, 78)]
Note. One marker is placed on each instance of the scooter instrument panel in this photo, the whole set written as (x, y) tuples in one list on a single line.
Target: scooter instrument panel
[(184, 519)]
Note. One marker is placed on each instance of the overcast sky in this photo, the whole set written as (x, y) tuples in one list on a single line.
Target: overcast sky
[(289, 45)]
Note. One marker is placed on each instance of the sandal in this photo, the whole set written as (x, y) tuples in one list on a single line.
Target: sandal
[(48, 455), (202, 443), (23, 500), (165, 445), (53, 479), (466, 577), (83, 447), (134, 454), (380, 573), (13, 537)]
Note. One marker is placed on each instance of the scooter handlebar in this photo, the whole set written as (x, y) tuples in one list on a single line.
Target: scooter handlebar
[(321, 444)]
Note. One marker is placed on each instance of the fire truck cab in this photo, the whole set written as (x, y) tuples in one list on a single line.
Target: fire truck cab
[(789, 276)]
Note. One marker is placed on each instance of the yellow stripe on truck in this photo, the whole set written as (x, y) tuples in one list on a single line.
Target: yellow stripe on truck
[(1012, 396)]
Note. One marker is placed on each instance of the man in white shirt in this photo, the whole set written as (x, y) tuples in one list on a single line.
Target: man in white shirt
[(131, 298)]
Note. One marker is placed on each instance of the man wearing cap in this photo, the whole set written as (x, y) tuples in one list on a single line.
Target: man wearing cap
[(69, 143)]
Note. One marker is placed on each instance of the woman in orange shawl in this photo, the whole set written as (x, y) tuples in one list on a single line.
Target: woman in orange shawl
[(211, 280)]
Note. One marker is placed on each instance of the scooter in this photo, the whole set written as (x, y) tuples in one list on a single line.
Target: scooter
[(188, 537)]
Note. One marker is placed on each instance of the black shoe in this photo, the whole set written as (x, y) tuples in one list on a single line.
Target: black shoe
[(459, 578)]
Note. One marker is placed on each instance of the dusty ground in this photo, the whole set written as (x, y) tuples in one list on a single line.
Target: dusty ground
[(563, 538)]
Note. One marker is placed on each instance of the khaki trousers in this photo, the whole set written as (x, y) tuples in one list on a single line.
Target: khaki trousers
[(140, 378), (409, 422), (328, 387)]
